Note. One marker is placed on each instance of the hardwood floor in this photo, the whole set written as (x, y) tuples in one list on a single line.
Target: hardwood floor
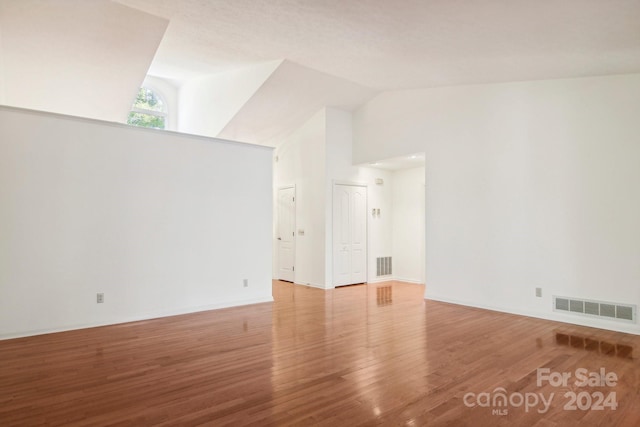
[(360, 355)]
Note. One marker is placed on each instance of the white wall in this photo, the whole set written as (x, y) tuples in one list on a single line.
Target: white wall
[(161, 223), (208, 103), (340, 168), (407, 189), (301, 162), (530, 184)]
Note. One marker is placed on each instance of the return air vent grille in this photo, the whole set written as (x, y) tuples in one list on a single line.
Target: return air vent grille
[(384, 266), (623, 312)]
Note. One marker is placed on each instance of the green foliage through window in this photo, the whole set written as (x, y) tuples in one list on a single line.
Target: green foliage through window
[(145, 120), (148, 110)]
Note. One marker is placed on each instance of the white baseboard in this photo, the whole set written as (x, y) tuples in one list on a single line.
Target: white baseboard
[(312, 285), (395, 278), (381, 279), (551, 315), (137, 318), (408, 280)]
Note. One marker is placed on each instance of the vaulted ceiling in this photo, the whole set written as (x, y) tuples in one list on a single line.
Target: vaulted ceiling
[(398, 44), (53, 53)]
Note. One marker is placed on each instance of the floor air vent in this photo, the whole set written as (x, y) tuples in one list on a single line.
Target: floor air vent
[(609, 310), (383, 266)]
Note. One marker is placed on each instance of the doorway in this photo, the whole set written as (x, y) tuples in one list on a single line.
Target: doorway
[(286, 233)]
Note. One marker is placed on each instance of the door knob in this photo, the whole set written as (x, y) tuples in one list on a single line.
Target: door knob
[(279, 238)]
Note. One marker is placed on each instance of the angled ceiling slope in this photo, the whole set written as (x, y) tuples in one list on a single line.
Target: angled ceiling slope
[(208, 103), (289, 97), (76, 57)]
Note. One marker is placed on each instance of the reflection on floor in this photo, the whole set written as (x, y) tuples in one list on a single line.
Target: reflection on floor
[(603, 347), (384, 295)]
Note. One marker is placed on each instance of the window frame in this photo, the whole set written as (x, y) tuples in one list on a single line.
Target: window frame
[(164, 113)]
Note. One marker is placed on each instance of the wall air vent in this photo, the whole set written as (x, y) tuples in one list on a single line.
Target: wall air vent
[(609, 310), (383, 266)]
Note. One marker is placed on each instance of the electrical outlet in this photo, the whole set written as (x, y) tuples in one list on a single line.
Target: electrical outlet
[(245, 282), (538, 292), (100, 298)]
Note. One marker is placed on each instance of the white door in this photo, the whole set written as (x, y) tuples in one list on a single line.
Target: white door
[(349, 235), (286, 233)]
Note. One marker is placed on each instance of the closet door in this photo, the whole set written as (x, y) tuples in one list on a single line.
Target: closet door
[(349, 234)]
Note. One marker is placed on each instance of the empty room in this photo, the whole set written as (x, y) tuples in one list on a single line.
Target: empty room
[(292, 212)]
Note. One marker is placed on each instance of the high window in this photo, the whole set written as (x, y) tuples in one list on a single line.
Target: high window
[(149, 110)]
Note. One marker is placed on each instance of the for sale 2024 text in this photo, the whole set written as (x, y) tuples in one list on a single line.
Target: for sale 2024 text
[(577, 398)]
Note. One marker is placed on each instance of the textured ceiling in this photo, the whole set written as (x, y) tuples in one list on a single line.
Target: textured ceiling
[(332, 52), (384, 44)]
